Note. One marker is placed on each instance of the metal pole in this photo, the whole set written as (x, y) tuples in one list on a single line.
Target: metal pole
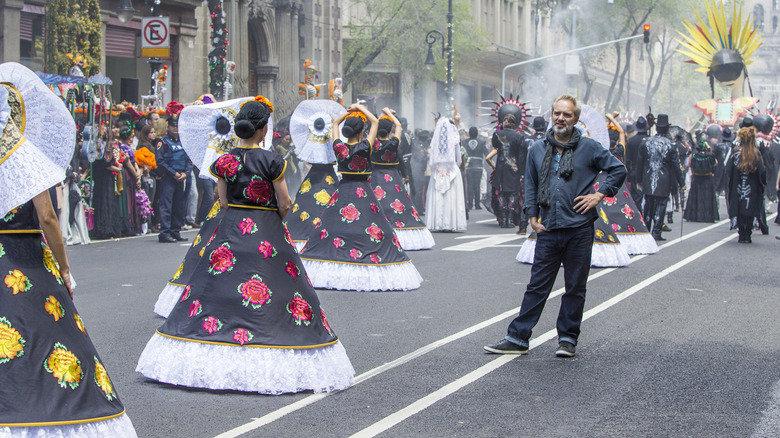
[(450, 97), (529, 61)]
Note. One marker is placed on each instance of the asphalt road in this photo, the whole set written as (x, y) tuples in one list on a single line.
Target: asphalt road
[(680, 343)]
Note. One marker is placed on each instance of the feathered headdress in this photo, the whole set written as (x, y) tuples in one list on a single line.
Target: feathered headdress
[(504, 107)]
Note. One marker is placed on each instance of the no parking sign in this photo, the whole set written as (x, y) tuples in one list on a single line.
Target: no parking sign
[(155, 37)]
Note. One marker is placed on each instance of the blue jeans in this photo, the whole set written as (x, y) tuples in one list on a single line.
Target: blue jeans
[(173, 204), (571, 247)]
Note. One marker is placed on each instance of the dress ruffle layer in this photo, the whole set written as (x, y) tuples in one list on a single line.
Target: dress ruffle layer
[(416, 239), (119, 427), (364, 278), (639, 243), (603, 256), (167, 299), (252, 369)]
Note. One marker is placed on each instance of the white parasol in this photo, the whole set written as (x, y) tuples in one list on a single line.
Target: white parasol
[(311, 128)]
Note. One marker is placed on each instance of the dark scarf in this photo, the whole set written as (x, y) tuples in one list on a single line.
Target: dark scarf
[(565, 168)]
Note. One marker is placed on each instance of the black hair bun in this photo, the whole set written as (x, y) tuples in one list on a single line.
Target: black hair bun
[(384, 128), (352, 126), (347, 131), (245, 129)]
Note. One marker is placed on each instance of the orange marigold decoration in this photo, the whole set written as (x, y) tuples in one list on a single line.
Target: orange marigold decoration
[(267, 102), (146, 158), (359, 115)]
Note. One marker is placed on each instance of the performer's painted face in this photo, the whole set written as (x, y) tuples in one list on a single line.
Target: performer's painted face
[(563, 118)]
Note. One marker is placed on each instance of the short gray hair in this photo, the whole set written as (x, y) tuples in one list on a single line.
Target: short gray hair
[(572, 99)]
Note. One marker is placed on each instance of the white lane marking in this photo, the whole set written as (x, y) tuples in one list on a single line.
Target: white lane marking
[(487, 221), (425, 402), (484, 242), (257, 423)]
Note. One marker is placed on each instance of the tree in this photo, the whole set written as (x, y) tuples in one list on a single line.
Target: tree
[(72, 27), (393, 31)]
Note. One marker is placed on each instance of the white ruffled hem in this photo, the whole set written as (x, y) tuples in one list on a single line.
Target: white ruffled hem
[(299, 245), (168, 298), (119, 427), (413, 240), (638, 243), (252, 369), (364, 278), (603, 256)]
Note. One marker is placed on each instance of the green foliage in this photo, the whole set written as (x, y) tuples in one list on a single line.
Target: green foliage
[(393, 32), (72, 27)]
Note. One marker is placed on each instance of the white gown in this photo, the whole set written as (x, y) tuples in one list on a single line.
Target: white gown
[(445, 208)]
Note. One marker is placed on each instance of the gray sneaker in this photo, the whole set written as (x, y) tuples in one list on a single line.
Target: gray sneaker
[(505, 347), (565, 349)]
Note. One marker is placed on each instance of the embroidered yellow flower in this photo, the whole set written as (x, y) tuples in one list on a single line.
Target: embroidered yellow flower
[(11, 342), (64, 366), (306, 186), (329, 179), (214, 210), (201, 251), (599, 234), (50, 264), (197, 240), (295, 208), (79, 323), (322, 197), (603, 216), (178, 272), (611, 239), (304, 216), (17, 281), (54, 308), (102, 380)]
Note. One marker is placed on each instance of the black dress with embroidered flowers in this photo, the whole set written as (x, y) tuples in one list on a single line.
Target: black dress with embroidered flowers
[(311, 202), (175, 286), (355, 248), (389, 189), (248, 318), (53, 381)]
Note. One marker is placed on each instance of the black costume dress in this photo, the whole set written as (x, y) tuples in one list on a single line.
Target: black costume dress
[(355, 248), (744, 194), (104, 199), (53, 381), (702, 203), (173, 290), (507, 180), (248, 319), (310, 202), (389, 189)]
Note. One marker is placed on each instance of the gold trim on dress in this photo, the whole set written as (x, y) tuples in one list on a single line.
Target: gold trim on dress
[(281, 175), (63, 423), (357, 264), (281, 347), (20, 231), (384, 164), (253, 207)]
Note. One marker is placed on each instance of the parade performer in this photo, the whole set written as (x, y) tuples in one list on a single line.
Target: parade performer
[(207, 131), (311, 129), (560, 174), (54, 383), (355, 247), (476, 150), (445, 203), (702, 203), (249, 320), (389, 188), (722, 50), (746, 179)]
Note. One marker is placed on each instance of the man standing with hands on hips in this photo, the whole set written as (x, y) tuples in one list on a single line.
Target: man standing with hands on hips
[(174, 185), (559, 176)]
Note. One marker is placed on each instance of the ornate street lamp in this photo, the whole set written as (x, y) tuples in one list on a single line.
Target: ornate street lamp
[(430, 39), (125, 11)]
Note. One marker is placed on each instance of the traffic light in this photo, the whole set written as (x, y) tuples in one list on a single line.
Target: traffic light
[(647, 33)]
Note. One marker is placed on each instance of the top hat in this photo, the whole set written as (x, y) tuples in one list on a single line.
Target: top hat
[(746, 122), (641, 124), (727, 135), (539, 124), (662, 121)]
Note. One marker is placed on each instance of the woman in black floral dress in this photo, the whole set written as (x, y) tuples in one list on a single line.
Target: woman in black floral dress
[(389, 188), (249, 319), (354, 247)]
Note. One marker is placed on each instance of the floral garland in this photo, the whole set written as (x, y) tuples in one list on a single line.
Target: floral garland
[(263, 100), (219, 45), (358, 114)]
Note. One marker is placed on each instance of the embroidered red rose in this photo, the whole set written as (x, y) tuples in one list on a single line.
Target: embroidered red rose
[(355, 253), (338, 242), (388, 157), (195, 308), (398, 206), (375, 233), (396, 242), (221, 259), (610, 200), (325, 322), (627, 211), (323, 234), (300, 309), (374, 208), (266, 249), (399, 224), (211, 325), (341, 150), (288, 237), (247, 226), (615, 227), (292, 269), (227, 166), (415, 214), (631, 229), (375, 258), (358, 163), (379, 193), (242, 336), (398, 188), (360, 192), (255, 292), (388, 178), (258, 191), (333, 198), (185, 294), (349, 213)]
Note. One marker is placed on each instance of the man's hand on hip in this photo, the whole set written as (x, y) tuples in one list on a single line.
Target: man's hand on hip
[(582, 204), (536, 226)]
